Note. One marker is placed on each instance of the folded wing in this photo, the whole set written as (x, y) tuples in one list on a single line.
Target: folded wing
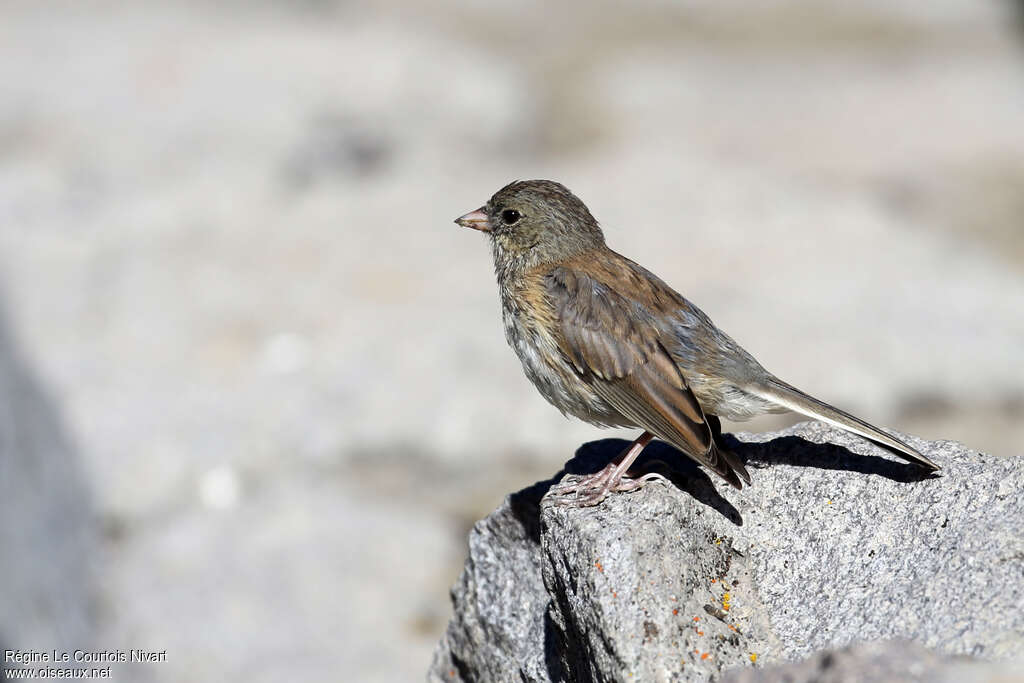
[(614, 344)]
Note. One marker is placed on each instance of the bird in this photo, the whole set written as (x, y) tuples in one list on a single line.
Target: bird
[(607, 341)]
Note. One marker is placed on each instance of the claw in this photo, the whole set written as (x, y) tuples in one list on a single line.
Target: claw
[(577, 491), (584, 491)]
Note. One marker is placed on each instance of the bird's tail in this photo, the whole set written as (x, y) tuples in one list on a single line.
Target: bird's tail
[(777, 391)]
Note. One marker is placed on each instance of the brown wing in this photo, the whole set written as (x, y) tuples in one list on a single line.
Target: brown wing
[(614, 342)]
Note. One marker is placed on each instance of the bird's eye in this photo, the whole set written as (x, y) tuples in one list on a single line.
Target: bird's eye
[(510, 216)]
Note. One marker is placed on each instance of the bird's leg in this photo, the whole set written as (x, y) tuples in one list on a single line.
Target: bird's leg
[(591, 489)]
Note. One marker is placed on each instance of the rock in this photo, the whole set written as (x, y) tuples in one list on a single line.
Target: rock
[(48, 535), (893, 661), (500, 625), (833, 544)]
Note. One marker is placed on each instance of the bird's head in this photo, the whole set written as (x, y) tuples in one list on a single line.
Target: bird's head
[(533, 222)]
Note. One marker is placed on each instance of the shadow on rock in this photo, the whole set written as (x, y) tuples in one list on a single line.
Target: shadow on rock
[(688, 476), (799, 452), (525, 506), (591, 457)]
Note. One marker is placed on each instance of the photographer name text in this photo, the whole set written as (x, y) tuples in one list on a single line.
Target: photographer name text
[(29, 657)]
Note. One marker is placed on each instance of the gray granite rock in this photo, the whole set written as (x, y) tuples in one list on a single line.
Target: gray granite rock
[(500, 627), (889, 660), (892, 661), (835, 543)]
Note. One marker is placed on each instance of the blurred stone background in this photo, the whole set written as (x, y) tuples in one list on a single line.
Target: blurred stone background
[(268, 372)]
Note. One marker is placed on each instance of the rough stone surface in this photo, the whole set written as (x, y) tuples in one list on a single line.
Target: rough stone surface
[(503, 627), (892, 661), (835, 543)]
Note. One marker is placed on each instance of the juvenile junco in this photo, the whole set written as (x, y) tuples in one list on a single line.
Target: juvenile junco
[(605, 340)]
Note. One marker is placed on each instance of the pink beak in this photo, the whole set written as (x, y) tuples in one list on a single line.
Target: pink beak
[(476, 220)]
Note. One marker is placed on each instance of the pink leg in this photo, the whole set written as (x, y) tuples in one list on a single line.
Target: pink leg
[(583, 491)]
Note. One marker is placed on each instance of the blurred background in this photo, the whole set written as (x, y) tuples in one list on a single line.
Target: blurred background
[(255, 388)]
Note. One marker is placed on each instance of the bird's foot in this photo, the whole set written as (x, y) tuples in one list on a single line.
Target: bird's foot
[(586, 490)]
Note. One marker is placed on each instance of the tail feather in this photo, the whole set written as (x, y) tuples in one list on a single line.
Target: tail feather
[(777, 391)]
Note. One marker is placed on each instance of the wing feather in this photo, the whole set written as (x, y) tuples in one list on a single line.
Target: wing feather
[(615, 345)]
